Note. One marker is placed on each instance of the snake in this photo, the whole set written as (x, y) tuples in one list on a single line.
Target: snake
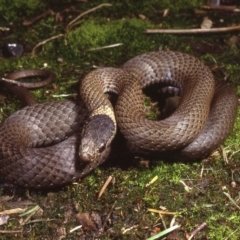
[(55, 143)]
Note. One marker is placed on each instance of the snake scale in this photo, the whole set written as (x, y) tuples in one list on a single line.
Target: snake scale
[(40, 144)]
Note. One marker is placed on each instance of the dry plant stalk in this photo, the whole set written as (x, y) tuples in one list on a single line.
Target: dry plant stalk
[(70, 25), (194, 31)]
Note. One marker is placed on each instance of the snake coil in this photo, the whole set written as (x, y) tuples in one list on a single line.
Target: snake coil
[(39, 144)]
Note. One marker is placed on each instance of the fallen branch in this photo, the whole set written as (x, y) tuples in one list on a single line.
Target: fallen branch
[(222, 8), (194, 31), (44, 42), (70, 25), (194, 232), (11, 231), (74, 22), (4, 29), (49, 12)]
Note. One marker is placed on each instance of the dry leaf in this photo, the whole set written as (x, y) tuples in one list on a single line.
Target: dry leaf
[(4, 219), (85, 220), (165, 12), (233, 40), (141, 16), (206, 23), (13, 211)]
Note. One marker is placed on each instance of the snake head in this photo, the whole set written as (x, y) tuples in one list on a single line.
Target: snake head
[(97, 136)]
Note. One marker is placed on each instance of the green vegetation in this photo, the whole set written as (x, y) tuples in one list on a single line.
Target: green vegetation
[(194, 191), (19, 10)]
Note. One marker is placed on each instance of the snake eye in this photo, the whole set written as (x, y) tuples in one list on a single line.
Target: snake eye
[(101, 148)]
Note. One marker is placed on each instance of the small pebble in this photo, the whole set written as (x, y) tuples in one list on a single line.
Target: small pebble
[(12, 50)]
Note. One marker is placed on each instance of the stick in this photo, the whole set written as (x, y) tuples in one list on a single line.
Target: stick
[(194, 232), (74, 21), (11, 231), (44, 42), (194, 31), (42, 15), (69, 26), (222, 8), (4, 29), (105, 186)]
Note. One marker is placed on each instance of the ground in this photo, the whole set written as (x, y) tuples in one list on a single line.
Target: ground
[(131, 207)]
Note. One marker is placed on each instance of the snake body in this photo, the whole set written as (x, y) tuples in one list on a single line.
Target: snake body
[(200, 124), (39, 143)]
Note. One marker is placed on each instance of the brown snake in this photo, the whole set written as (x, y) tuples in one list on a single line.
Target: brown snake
[(39, 143)]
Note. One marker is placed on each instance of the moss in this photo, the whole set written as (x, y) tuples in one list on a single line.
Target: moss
[(18, 10), (95, 34), (229, 226)]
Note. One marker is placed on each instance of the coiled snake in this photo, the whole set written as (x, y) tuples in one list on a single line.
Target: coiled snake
[(39, 144)]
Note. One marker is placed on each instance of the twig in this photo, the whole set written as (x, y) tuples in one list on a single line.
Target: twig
[(105, 186), (105, 47), (4, 29), (11, 231), (194, 31), (152, 181), (231, 200), (65, 95), (74, 229), (74, 21), (222, 8), (44, 42), (12, 211), (39, 220), (128, 229), (186, 187), (42, 15), (194, 232), (162, 212), (232, 234), (69, 26), (107, 217), (223, 154)]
